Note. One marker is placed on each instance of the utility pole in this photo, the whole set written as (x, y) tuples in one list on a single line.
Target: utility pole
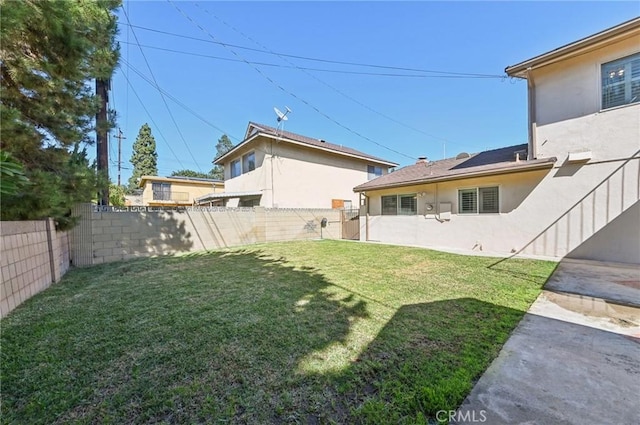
[(119, 137), (102, 145)]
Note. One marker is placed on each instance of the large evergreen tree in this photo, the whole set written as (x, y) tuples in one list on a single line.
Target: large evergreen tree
[(50, 51), (145, 157), (223, 146)]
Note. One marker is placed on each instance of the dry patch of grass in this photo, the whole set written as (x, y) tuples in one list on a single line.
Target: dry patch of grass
[(301, 332)]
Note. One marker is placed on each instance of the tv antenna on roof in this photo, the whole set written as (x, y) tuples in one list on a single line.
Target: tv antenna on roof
[(281, 117)]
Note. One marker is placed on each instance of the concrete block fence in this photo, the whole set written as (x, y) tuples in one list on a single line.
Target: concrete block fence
[(32, 257), (107, 234)]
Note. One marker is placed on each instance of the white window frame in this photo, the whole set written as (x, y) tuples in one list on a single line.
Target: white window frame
[(629, 59), (477, 201)]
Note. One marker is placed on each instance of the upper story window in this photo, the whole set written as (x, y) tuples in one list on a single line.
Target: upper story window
[(483, 200), (373, 172), (161, 191), (249, 162), (400, 205), (621, 81), (236, 170)]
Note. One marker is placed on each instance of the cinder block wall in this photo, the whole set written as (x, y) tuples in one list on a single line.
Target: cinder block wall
[(33, 255), (106, 236)]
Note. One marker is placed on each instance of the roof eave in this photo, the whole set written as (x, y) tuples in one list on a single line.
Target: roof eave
[(588, 43), (547, 163), (169, 179), (263, 133)]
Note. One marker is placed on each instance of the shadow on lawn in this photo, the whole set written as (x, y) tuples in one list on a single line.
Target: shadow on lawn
[(220, 337), (425, 359)]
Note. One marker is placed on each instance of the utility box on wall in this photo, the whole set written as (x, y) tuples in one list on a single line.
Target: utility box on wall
[(444, 210)]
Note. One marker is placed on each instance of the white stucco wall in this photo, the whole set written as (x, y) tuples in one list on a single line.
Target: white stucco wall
[(568, 108), (546, 214), (293, 176), (564, 211)]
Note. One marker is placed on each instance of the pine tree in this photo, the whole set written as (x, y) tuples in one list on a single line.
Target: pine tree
[(223, 146), (50, 53), (144, 158)]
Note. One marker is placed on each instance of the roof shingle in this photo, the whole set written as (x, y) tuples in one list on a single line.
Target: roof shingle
[(316, 143), (497, 161)]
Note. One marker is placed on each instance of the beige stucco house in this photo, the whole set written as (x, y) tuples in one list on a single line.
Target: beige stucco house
[(572, 190), (280, 169), (176, 191)]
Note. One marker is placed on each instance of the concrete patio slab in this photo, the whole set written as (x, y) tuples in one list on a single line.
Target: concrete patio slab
[(609, 281), (573, 359)]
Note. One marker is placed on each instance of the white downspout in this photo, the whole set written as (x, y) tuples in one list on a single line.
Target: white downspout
[(531, 96)]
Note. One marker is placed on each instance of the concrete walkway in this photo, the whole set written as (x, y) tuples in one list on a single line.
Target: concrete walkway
[(573, 359)]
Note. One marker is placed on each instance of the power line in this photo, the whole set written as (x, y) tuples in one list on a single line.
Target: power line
[(293, 66), (153, 121), (289, 92), (367, 107), (161, 94), (176, 100), (397, 68)]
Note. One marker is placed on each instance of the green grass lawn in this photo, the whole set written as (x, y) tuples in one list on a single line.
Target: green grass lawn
[(299, 332)]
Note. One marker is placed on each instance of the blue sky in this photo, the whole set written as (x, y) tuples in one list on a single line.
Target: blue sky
[(398, 117)]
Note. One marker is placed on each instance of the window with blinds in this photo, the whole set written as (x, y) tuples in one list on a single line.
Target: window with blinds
[(621, 81), (488, 200), (483, 200), (408, 205), (468, 201)]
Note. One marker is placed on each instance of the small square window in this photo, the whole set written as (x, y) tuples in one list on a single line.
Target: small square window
[(468, 201), (408, 204), (373, 172), (390, 205), (488, 200)]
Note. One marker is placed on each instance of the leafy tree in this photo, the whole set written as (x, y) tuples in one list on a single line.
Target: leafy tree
[(144, 158), (117, 195), (223, 146), (192, 173), (51, 51), (12, 177)]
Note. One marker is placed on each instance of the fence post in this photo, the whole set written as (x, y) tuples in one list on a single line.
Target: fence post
[(52, 263)]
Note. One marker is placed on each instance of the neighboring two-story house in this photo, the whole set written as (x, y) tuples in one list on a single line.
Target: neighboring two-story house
[(280, 169), (572, 190), (176, 190)]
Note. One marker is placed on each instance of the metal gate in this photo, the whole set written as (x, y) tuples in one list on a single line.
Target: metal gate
[(351, 224)]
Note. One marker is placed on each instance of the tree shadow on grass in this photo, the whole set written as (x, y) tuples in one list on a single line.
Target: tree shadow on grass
[(221, 337), (426, 359), (197, 338)]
